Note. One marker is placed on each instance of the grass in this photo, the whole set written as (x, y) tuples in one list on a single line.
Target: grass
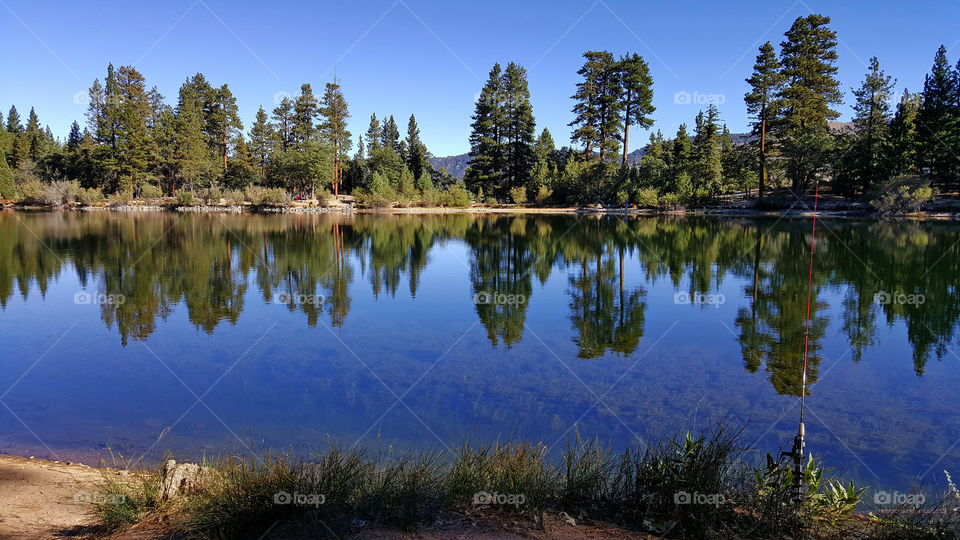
[(687, 486)]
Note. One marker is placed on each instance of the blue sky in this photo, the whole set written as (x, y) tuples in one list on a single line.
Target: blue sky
[(430, 58)]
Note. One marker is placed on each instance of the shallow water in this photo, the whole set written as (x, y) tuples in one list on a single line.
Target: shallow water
[(131, 335)]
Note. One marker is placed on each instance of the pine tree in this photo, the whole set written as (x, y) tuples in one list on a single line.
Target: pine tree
[(283, 117), (597, 108), (334, 129), (417, 155), (131, 132), (937, 118), (33, 136), (374, 134), (191, 155), (808, 56), (263, 141), (766, 83), (391, 135), (222, 121), (902, 158), (74, 138), (6, 178), (13, 121), (871, 121), (518, 127), (486, 136), (306, 108), (708, 177), (637, 99)]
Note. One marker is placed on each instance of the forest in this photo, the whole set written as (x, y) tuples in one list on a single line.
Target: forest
[(900, 152)]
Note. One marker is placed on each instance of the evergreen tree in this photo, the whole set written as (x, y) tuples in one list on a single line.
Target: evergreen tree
[(597, 108), (306, 108), (417, 155), (6, 178), (222, 121), (808, 56), (871, 120), (682, 151), (333, 128), (486, 137), (637, 87), (374, 134), (708, 169), (74, 138), (391, 135), (263, 141), (766, 83), (34, 136), (518, 127), (283, 117), (904, 135), (134, 109), (191, 151), (13, 120), (938, 117), (653, 164)]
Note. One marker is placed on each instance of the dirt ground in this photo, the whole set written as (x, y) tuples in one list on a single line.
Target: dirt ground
[(46, 499)]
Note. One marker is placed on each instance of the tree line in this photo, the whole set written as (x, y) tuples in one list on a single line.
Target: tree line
[(897, 152)]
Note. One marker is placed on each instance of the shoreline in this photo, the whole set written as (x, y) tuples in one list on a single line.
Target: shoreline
[(712, 211)]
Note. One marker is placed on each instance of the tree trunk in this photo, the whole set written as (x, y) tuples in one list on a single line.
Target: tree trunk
[(763, 153), (626, 131)]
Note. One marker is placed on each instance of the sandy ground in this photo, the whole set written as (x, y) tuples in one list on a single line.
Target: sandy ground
[(46, 499), (42, 499)]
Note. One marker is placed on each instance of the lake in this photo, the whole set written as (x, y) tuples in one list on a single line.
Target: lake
[(137, 334)]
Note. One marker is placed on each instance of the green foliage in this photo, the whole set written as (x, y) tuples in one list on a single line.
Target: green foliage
[(543, 195), (456, 196), (90, 196), (7, 188), (125, 503), (519, 195), (902, 195), (646, 197), (259, 196), (234, 197), (150, 191), (185, 198)]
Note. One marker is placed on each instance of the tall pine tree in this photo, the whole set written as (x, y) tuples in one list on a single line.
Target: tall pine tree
[(765, 85)]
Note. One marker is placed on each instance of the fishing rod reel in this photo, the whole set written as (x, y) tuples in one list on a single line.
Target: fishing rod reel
[(796, 455)]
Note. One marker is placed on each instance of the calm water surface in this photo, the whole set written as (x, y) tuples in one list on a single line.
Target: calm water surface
[(139, 334)]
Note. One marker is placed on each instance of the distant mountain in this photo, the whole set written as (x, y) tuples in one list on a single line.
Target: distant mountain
[(457, 165)]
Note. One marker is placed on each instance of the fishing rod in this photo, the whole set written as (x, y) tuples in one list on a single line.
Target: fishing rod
[(799, 442)]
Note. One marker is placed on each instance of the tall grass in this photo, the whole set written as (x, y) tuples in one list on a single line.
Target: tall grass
[(686, 486)]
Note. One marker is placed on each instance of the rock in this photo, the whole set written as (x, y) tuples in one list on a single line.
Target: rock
[(180, 478)]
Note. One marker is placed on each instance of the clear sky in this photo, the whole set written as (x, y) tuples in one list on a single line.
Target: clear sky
[(430, 58)]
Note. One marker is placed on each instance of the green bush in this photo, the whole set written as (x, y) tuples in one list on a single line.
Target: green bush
[(185, 198), (543, 194), (323, 197), (902, 195), (260, 196), (430, 197), (234, 197), (89, 196), (380, 193), (519, 195), (211, 195), (457, 196), (33, 192), (670, 200), (646, 197), (491, 201), (150, 191), (120, 198)]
